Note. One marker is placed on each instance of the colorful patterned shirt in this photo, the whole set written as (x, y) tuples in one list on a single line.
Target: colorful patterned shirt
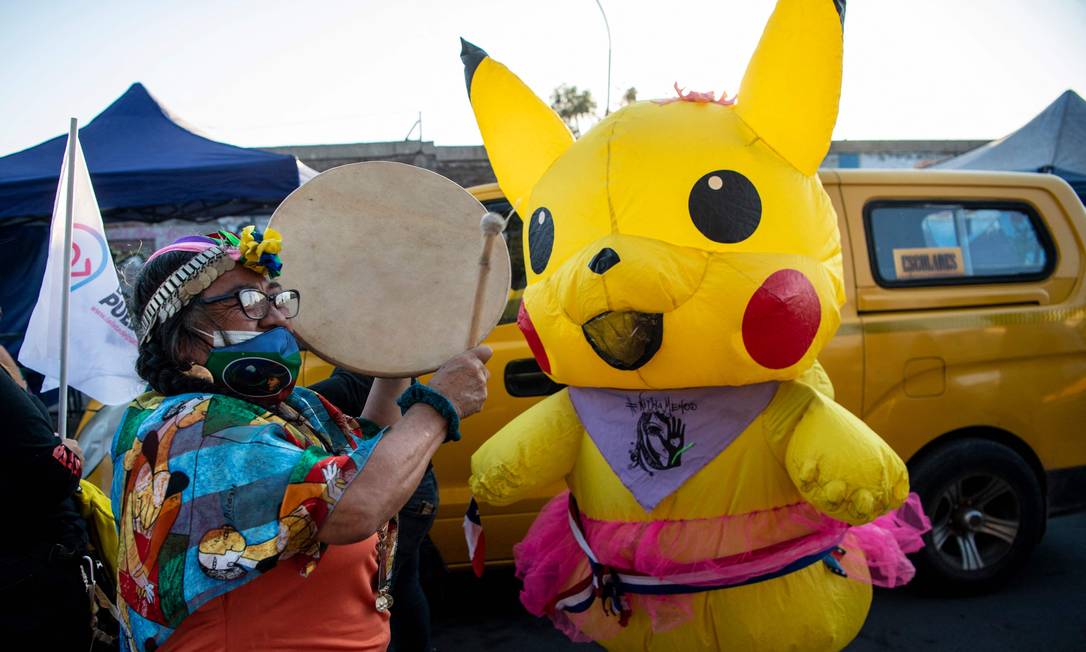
[(211, 491)]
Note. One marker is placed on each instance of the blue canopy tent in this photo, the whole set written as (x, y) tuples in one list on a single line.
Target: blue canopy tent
[(146, 165), (1053, 142)]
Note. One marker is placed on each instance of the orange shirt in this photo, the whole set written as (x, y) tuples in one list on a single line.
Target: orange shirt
[(332, 609)]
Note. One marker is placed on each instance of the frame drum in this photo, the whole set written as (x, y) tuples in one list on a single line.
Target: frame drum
[(386, 258)]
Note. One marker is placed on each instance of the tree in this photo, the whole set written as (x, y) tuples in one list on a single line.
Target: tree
[(629, 97), (572, 105)]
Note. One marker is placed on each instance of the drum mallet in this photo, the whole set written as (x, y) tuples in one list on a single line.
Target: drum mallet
[(491, 225)]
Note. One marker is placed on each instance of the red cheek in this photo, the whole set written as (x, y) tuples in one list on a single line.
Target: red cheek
[(781, 319), (524, 322)]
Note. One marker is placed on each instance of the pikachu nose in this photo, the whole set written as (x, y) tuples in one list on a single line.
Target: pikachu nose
[(604, 260)]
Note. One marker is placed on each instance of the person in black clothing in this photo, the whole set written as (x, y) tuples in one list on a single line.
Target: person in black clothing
[(43, 600), (410, 622)]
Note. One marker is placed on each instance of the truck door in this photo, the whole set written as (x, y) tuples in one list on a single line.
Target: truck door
[(843, 355)]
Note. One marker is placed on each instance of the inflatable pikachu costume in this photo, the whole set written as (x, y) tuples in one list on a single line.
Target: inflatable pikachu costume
[(684, 273)]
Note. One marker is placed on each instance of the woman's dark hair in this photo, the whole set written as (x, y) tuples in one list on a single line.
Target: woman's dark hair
[(161, 362)]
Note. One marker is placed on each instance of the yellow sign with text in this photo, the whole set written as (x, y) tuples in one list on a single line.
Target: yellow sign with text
[(928, 262)]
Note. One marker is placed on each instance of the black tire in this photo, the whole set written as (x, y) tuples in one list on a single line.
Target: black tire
[(987, 512)]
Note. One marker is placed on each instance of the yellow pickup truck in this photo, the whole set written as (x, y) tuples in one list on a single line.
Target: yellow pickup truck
[(963, 343)]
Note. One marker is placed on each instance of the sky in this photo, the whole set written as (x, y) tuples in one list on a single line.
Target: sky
[(337, 71)]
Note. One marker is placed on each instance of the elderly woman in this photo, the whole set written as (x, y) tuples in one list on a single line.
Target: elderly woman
[(252, 513)]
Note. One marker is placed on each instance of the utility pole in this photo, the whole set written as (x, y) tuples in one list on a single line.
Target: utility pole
[(607, 106)]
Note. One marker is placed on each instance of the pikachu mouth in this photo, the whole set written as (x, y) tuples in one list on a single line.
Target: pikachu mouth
[(626, 339)]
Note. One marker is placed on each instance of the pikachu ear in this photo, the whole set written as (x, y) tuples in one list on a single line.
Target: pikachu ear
[(791, 89), (522, 135)]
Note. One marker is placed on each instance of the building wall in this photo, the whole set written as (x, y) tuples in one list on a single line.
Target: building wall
[(894, 153), (468, 165)]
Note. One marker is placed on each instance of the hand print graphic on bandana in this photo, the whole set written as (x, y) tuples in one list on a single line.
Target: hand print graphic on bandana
[(655, 441), (660, 442)]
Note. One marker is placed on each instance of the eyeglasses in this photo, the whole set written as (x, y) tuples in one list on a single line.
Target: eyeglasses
[(256, 304)]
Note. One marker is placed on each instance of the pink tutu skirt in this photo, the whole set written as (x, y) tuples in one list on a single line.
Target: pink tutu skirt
[(727, 550)]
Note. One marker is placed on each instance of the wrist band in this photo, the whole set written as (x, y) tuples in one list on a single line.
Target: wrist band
[(419, 393)]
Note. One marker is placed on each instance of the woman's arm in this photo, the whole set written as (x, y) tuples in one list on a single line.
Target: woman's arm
[(395, 467), (357, 394), (346, 390), (32, 454), (12, 368), (381, 405)]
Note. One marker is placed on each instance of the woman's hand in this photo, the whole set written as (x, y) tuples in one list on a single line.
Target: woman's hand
[(463, 379), (75, 448)]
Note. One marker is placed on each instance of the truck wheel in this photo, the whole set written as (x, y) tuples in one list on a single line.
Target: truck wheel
[(987, 513)]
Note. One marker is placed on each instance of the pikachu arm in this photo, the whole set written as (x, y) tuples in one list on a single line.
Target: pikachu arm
[(817, 378), (532, 451), (837, 463)]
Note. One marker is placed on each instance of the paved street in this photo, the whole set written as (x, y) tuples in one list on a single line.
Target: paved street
[(1043, 609)]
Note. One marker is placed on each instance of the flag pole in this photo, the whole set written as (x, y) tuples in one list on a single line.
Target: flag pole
[(66, 265)]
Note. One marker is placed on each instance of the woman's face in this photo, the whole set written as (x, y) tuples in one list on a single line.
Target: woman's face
[(227, 315)]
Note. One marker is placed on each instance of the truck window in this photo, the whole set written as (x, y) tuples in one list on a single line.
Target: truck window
[(512, 237), (924, 243)]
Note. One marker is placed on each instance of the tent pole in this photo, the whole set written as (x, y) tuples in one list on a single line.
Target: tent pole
[(66, 265)]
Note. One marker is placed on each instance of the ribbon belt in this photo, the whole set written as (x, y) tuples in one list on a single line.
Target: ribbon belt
[(610, 585)]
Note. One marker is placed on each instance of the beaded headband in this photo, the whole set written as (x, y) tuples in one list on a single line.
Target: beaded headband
[(216, 254)]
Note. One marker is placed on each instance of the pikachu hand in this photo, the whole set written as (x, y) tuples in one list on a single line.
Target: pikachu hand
[(851, 494), (843, 468)]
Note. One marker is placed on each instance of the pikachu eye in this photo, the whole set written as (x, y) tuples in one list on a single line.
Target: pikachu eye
[(725, 206), (540, 238)]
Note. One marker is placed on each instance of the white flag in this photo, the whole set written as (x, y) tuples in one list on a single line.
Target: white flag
[(102, 347)]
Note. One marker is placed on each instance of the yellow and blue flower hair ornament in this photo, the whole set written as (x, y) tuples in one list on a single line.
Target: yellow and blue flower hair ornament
[(260, 250)]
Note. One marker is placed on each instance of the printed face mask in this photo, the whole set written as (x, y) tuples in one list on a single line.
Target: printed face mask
[(262, 369)]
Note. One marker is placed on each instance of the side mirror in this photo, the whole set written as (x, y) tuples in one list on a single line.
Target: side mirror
[(524, 378)]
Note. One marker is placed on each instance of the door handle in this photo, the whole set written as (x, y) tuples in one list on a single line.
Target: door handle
[(525, 378)]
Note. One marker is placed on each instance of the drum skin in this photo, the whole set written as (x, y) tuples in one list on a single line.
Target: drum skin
[(386, 258)]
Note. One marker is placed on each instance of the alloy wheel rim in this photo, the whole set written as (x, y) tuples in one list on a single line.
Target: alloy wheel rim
[(975, 522)]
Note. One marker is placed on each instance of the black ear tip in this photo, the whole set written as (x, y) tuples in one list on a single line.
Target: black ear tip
[(472, 55), (839, 5), (469, 52)]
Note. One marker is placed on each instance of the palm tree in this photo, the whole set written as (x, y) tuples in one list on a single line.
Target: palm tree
[(572, 105)]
